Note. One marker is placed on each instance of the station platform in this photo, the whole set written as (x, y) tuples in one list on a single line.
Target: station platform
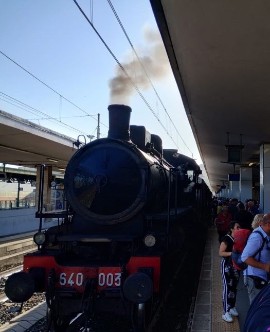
[(14, 222), (207, 316), (26, 320), (208, 306)]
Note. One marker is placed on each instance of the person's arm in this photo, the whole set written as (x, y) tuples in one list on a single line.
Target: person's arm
[(259, 265), (251, 248), (222, 250)]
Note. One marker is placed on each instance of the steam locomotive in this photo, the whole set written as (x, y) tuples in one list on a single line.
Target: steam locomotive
[(132, 207)]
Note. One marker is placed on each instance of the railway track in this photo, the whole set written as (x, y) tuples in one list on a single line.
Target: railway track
[(9, 311), (12, 250)]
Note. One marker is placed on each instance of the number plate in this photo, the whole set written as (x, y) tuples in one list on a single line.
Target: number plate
[(109, 277), (75, 277)]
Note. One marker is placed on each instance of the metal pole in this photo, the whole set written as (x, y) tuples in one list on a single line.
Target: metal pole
[(40, 195), (18, 194), (98, 127)]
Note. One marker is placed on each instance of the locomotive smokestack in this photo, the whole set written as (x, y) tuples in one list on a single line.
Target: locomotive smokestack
[(119, 116)]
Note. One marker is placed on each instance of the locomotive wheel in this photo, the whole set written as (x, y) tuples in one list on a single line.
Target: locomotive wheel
[(56, 324), (139, 317)]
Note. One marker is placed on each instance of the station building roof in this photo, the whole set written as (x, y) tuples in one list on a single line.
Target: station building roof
[(220, 55), (24, 143)]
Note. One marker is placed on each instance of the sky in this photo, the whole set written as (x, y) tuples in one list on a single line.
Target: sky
[(59, 71)]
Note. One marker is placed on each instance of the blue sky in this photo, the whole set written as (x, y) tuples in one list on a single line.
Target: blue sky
[(54, 42)]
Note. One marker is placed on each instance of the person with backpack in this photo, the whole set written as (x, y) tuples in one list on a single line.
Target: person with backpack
[(229, 274), (256, 255)]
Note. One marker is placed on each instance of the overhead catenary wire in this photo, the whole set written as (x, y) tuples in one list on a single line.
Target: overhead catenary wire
[(164, 126), (30, 109), (128, 76), (125, 72), (145, 71), (49, 87)]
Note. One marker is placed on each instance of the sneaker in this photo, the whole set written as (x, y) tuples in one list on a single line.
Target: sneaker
[(227, 317), (233, 312)]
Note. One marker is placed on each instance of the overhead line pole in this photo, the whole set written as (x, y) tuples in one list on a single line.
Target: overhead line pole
[(98, 127)]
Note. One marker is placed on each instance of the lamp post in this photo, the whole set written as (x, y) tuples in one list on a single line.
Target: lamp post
[(18, 194)]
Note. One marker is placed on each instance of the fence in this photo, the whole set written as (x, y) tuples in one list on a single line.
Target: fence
[(14, 204)]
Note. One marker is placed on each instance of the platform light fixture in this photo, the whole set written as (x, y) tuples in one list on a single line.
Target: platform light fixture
[(52, 160), (234, 151)]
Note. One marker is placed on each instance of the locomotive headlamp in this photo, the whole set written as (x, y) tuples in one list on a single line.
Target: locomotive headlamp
[(149, 240), (39, 238)]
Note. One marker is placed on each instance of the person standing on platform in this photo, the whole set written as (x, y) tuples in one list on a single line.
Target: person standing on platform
[(222, 222), (214, 208), (257, 220), (233, 207), (253, 207), (243, 216), (230, 275), (257, 256), (219, 207)]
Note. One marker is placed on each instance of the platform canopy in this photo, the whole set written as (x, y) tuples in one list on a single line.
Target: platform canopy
[(219, 52), (23, 143)]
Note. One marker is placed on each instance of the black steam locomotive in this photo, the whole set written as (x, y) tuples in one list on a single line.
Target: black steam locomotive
[(131, 207)]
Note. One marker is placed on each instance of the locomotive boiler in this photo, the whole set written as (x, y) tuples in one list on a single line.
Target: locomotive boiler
[(131, 207)]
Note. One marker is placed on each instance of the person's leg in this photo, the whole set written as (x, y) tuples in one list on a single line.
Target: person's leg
[(252, 290), (234, 279), (226, 292)]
